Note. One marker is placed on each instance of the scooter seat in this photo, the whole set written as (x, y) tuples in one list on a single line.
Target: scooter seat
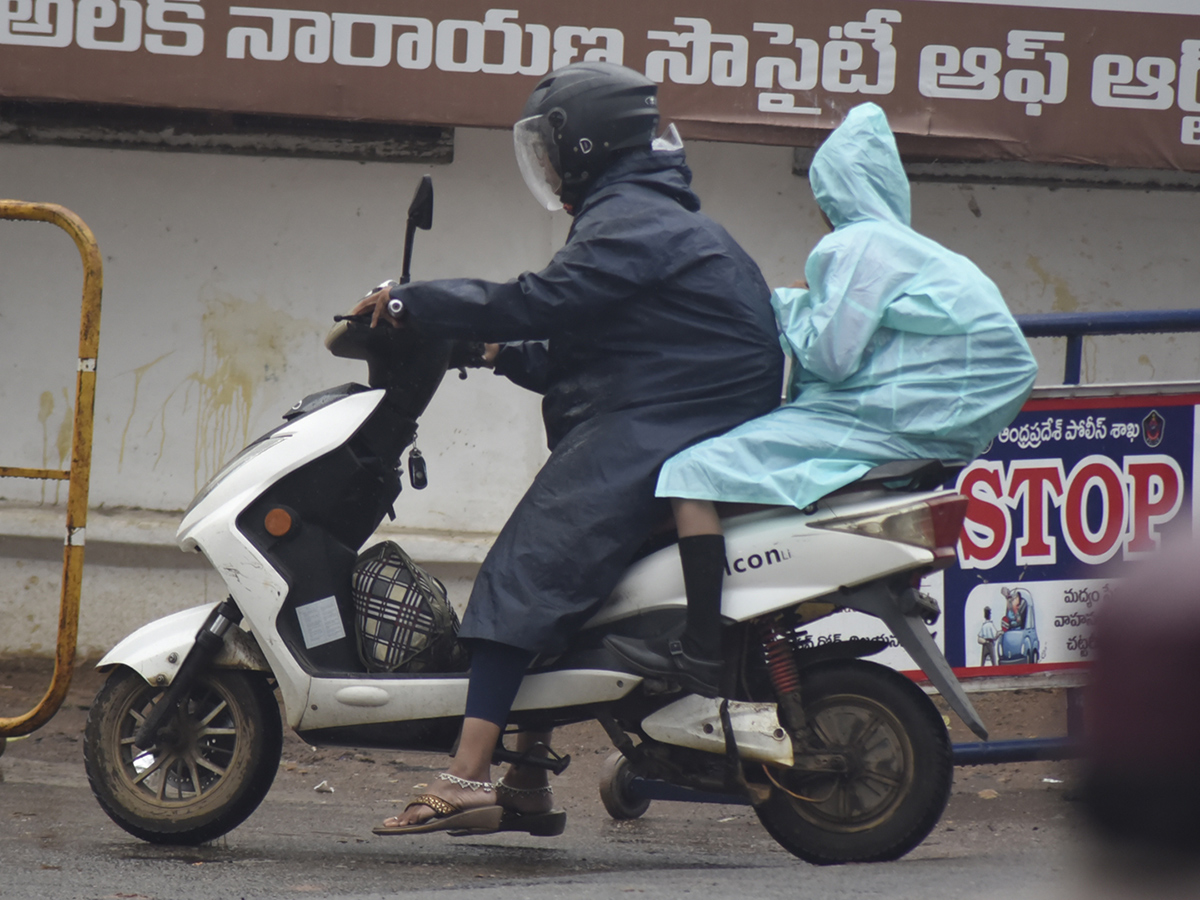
[(904, 475), (897, 475)]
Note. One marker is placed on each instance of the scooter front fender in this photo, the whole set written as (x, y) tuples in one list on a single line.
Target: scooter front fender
[(157, 650)]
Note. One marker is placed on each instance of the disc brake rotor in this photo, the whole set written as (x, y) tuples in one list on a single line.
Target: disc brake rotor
[(193, 754)]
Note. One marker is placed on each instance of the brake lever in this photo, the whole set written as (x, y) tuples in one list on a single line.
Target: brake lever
[(366, 316)]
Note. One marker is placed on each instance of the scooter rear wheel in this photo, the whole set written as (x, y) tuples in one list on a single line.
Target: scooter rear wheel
[(209, 771), (897, 778)]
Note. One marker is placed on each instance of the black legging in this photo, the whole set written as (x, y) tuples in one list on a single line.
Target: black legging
[(496, 674)]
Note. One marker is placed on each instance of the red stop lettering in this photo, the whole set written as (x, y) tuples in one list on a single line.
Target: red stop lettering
[(987, 529), (1039, 481), (1156, 493), (1094, 473)]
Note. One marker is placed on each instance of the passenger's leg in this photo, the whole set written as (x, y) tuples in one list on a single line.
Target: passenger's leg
[(702, 555), (693, 658)]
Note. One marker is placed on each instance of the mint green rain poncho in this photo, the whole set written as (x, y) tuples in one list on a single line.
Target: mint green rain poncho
[(900, 348)]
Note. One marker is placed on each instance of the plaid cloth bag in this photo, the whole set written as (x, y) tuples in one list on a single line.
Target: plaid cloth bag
[(402, 617)]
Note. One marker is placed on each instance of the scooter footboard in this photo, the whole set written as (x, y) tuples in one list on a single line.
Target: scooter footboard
[(879, 601)]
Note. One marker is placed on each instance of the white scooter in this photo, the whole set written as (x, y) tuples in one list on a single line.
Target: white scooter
[(843, 759)]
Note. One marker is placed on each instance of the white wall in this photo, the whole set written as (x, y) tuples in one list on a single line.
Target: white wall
[(222, 274)]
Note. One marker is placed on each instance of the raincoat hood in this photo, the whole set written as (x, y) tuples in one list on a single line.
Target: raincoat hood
[(663, 171), (857, 176)]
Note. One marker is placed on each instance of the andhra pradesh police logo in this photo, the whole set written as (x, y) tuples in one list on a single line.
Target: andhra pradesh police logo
[(1153, 427)]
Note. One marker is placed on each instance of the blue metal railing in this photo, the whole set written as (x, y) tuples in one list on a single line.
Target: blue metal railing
[(1074, 326), (989, 753)]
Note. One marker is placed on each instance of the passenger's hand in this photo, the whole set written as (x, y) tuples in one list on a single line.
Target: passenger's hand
[(376, 304), (489, 354), (799, 283)]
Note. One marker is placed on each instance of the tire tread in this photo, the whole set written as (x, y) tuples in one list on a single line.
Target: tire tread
[(934, 776), (266, 738)]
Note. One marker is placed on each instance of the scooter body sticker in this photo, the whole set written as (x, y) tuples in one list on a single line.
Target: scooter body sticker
[(320, 622)]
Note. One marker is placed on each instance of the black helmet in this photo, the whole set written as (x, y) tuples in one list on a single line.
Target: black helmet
[(573, 123)]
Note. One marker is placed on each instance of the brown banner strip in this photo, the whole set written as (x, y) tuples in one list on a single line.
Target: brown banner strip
[(966, 80)]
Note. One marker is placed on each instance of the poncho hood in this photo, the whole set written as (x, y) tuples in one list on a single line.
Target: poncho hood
[(665, 171), (857, 176)]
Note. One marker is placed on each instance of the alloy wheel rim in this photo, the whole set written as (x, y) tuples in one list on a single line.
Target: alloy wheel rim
[(193, 757), (878, 773)]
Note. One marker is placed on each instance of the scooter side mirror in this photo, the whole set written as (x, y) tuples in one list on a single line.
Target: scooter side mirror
[(420, 215), (420, 211)]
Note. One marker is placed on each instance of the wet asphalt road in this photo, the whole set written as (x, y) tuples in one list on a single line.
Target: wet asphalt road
[(55, 842)]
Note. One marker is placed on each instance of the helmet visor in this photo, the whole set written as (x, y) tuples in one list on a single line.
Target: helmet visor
[(533, 145)]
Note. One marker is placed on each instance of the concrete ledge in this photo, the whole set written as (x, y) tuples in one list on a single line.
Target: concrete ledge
[(135, 573), (1027, 681), (25, 530), (123, 526), (102, 553)]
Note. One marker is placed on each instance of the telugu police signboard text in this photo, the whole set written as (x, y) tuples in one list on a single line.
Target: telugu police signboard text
[(1085, 482), (1076, 488), (1107, 82)]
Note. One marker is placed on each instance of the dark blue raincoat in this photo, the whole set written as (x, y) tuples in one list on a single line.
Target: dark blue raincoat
[(650, 330)]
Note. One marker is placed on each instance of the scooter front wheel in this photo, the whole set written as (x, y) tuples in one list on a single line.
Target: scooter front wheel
[(213, 764), (896, 775)]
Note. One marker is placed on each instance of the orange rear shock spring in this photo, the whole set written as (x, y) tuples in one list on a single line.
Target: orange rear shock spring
[(781, 665)]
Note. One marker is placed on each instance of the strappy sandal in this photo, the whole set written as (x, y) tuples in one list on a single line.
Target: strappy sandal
[(550, 823), (449, 817)]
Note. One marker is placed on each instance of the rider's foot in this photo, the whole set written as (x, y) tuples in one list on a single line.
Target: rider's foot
[(461, 793), (526, 789), (525, 795), (525, 801), (666, 657)]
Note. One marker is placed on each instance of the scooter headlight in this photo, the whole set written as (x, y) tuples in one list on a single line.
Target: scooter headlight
[(933, 525), (237, 462)]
